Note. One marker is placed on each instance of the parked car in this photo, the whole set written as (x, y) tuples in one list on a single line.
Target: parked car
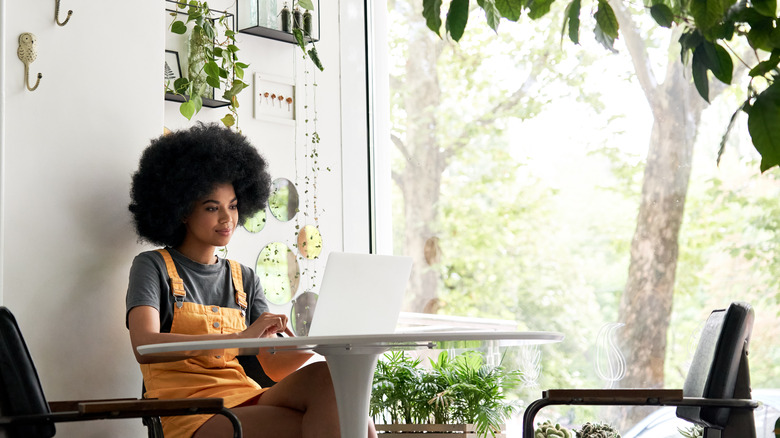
[(664, 423)]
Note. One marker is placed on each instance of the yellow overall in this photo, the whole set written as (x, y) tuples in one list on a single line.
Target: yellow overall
[(206, 376)]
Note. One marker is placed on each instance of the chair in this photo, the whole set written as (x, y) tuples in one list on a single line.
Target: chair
[(716, 393), (25, 413)]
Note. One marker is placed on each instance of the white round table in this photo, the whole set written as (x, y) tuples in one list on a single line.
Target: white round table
[(351, 359)]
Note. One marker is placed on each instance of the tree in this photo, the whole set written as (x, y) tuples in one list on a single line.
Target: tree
[(708, 28), (676, 105), (429, 141)]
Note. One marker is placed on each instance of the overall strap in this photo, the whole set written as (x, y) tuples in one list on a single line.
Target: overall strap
[(177, 284), (238, 284)]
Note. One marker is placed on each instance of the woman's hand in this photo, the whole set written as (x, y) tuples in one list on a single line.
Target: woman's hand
[(267, 325)]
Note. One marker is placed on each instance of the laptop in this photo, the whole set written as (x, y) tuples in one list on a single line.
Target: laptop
[(360, 294)]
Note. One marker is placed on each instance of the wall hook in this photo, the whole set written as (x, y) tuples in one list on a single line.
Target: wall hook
[(28, 51), (57, 14)]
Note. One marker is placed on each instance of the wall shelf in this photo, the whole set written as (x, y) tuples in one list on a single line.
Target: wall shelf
[(274, 34), (256, 17), (208, 103)]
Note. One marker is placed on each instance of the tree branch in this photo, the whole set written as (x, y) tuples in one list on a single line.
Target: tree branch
[(498, 110), (637, 49), (399, 144)]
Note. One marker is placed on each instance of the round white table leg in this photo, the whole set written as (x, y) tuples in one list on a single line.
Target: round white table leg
[(352, 373)]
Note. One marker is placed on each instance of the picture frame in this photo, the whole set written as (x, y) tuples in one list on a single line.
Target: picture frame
[(274, 99), (172, 68)]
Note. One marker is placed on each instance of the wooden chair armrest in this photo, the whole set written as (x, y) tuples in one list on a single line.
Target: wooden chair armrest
[(616, 396), (135, 407), (73, 405)]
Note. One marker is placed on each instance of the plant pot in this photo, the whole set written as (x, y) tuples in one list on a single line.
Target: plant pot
[(431, 430)]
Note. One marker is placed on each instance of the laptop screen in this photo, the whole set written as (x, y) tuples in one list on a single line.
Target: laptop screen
[(360, 294)]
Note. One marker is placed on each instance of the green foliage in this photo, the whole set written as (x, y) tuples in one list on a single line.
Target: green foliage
[(710, 28), (311, 53), (461, 389), (221, 66)]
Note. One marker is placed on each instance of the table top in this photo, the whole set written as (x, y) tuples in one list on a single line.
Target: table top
[(443, 340)]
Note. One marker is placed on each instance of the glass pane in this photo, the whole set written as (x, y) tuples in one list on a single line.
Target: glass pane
[(563, 187)]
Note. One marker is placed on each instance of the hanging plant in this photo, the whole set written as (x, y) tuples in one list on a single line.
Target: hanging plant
[(214, 60), (302, 31)]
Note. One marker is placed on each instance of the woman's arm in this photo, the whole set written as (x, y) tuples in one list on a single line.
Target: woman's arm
[(277, 366), (144, 325)]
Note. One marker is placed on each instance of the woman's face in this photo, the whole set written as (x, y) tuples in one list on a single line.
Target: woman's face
[(213, 218)]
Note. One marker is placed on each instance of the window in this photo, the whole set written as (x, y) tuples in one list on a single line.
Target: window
[(538, 181)]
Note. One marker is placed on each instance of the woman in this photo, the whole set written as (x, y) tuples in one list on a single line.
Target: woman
[(191, 191)]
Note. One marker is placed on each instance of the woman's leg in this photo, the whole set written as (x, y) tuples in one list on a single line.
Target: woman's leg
[(302, 404), (256, 421)]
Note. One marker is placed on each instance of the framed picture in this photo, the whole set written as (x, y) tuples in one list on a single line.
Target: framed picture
[(274, 99), (172, 68)]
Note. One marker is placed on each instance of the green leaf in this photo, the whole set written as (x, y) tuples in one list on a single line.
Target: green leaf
[(510, 9), (239, 71), (492, 15), (228, 120), (306, 4), (218, 52), (606, 19), (538, 8), (662, 15), (457, 17), (721, 64), (298, 34), (242, 65), (759, 35), (187, 109), (761, 69), (432, 14), (689, 41), (766, 8), (572, 19), (763, 122), (699, 68), (178, 27), (180, 85), (211, 68), (233, 48), (208, 29), (605, 40), (197, 100), (706, 13), (315, 58), (212, 81)]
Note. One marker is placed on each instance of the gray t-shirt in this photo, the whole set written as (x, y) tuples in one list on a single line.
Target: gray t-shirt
[(205, 284)]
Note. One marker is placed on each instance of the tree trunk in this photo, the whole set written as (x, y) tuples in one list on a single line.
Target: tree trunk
[(420, 179), (646, 304)]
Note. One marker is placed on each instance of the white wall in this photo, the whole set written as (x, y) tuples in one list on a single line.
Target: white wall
[(68, 150)]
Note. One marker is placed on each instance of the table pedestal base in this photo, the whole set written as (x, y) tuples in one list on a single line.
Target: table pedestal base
[(352, 371)]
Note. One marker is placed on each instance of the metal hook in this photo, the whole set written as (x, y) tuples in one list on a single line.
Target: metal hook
[(57, 14), (27, 52)]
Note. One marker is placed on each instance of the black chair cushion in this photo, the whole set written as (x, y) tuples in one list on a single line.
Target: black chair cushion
[(713, 372)]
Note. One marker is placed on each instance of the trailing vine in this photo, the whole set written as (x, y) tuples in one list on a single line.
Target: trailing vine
[(219, 68)]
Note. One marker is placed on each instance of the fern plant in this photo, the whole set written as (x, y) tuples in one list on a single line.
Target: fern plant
[(460, 389)]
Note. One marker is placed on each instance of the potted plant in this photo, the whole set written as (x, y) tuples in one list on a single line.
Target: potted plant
[(302, 32), (213, 60), (457, 394)]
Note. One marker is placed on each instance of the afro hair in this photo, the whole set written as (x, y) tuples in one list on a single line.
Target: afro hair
[(184, 166)]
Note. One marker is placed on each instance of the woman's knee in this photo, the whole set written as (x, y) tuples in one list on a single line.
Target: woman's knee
[(318, 374)]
